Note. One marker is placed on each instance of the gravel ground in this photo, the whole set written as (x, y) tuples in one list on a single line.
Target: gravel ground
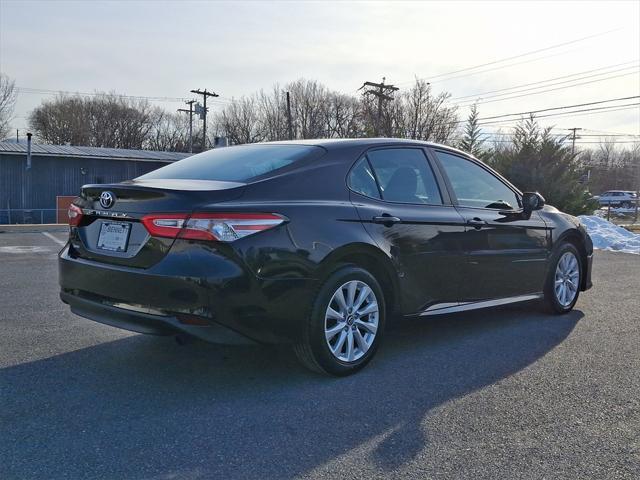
[(506, 393)]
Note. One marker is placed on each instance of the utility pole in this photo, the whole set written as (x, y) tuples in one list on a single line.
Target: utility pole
[(573, 139), (205, 94), (637, 205), (383, 93), (190, 112), (289, 120)]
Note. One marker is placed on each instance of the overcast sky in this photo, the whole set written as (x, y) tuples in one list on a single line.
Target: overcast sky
[(166, 48)]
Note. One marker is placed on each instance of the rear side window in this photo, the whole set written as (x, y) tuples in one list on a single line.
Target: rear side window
[(404, 176), (361, 180), (236, 164)]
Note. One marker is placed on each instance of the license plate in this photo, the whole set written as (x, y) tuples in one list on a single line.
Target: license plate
[(114, 236)]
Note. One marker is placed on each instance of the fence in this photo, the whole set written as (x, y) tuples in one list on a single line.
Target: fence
[(620, 212), (32, 215)]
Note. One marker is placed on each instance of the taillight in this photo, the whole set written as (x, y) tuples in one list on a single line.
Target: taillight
[(167, 225), (75, 215), (219, 227)]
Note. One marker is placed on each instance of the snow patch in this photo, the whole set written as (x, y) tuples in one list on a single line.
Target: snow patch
[(607, 236)]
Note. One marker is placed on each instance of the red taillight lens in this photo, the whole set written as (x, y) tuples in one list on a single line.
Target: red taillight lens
[(75, 215), (219, 227), (166, 225)]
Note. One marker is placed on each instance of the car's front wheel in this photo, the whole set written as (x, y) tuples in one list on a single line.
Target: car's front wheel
[(346, 323), (563, 280)]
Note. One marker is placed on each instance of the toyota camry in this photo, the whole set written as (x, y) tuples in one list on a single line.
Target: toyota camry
[(317, 244)]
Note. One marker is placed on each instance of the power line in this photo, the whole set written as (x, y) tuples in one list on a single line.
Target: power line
[(606, 135), (614, 108), (480, 94), (44, 91), (615, 133), (550, 89), (563, 107), (502, 67), (94, 94), (551, 47), (600, 143)]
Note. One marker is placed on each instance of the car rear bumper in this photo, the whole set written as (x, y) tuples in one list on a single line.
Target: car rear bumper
[(192, 290), (137, 321)]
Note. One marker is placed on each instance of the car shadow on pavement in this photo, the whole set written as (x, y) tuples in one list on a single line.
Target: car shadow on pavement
[(144, 407)]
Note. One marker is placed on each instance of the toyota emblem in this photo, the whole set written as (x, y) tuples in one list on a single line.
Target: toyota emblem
[(107, 199)]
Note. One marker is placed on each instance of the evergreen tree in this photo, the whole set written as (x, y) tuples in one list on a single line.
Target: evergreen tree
[(537, 161), (473, 139)]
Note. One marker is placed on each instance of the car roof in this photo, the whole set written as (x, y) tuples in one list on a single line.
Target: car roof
[(337, 143)]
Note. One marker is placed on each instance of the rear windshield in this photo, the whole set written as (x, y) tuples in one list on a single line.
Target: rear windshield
[(235, 164)]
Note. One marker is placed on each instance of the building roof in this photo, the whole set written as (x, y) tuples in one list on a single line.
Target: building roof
[(40, 149)]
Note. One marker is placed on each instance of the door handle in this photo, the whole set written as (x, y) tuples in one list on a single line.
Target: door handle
[(476, 223), (386, 220)]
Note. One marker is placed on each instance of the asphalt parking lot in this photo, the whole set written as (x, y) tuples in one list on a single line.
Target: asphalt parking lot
[(509, 393)]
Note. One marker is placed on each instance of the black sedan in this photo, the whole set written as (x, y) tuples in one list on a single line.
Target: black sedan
[(315, 243)]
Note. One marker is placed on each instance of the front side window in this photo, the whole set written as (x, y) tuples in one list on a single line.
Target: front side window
[(476, 187), (404, 176)]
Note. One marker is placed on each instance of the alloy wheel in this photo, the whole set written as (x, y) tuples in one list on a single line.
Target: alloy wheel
[(351, 321), (567, 278)]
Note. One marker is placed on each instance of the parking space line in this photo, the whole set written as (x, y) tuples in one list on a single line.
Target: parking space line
[(59, 242)]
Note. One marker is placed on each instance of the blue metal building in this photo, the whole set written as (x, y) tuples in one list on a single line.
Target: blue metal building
[(28, 194)]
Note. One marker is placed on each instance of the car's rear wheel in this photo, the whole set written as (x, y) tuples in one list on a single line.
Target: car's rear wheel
[(346, 323), (564, 279)]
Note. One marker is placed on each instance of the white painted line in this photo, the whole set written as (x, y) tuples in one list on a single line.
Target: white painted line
[(21, 249), (59, 242)]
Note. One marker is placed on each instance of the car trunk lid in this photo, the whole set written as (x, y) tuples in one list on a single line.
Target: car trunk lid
[(110, 229)]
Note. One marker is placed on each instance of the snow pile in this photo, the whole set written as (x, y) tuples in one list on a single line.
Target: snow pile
[(607, 236)]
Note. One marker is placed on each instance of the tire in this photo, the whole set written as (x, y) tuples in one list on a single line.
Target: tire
[(626, 205), (327, 331), (566, 267)]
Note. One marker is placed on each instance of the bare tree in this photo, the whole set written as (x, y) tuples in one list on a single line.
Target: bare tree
[(62, 120), (612, 166), (342, 116), (273, 114), (105, 120), (170, 132), (240, 121), (309, 105), (318, 112), (425, 116), (8, 94)]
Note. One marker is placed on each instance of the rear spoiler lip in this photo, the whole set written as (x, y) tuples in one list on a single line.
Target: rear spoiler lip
[(169, 184)]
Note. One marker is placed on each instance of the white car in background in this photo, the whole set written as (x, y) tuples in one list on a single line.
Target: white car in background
[(618, 198)]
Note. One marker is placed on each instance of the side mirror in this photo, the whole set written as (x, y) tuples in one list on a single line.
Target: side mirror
[(532, 201)]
